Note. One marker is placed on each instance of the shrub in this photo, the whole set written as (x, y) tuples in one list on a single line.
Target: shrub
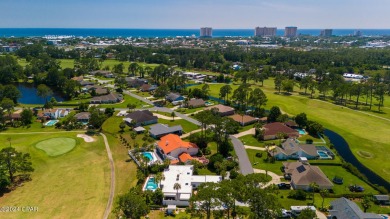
[(297, 194), (309, 141), (259, 154)]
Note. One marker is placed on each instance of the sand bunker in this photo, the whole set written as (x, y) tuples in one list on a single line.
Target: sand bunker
[(86, 138)]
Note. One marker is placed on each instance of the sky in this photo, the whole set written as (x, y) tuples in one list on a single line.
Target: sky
[(188, 14)]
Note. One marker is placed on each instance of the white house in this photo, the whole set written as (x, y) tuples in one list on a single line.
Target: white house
[(183, 176)]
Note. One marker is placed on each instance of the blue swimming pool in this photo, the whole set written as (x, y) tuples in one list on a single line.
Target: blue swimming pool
[(51, 122), (148, 155), (151, 184), (323, 155), (301, 131)]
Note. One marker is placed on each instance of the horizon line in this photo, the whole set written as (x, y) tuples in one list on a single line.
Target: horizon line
[(151, 28)]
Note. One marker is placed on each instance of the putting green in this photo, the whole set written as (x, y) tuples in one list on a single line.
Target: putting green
[(56, 146)]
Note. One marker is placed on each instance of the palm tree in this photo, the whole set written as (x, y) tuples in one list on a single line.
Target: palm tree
[(323, 193), (314, 186), (176, 187), (173, 115)]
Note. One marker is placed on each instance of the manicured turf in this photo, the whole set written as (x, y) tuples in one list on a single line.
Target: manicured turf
[(252, 141), (362, 132), (259, 163), (56, 146), (69, 186)]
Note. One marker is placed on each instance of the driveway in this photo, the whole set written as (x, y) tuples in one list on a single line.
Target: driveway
[(275, 177), (243, 160), (247, 132)]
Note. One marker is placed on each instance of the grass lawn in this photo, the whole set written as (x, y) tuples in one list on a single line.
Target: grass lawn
[(245, 128), (252, 141), (338, 119), (143, 94), (56, 146), (60, 185), (125, 169), (187, 126), (316, 139), (258, 162), (349, 179), (188, 110)]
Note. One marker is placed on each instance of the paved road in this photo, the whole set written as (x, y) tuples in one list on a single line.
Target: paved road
[(163, 109), (112, 186), (243, 160)]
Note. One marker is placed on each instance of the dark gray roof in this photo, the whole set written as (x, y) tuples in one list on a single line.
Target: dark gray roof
[(141, 116), (346, 209), (382, 197), (160, 129), (172, 96)]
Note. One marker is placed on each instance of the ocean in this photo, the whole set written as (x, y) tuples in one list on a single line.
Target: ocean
[(85, 32)]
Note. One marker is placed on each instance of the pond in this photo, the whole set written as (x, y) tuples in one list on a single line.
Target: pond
[(345, 152), (29, 94)]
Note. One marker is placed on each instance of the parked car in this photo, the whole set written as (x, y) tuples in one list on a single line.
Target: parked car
[(286, 214), (284, 186), (287, 176), (356, 188)]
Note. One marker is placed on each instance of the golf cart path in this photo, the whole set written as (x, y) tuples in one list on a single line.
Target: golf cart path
[(112, 186)]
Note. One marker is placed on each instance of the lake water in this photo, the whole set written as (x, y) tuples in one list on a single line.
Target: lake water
[(345, 152), (29, 94)]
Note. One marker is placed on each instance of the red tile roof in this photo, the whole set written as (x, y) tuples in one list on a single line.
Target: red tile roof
[(172, 142), (184, 157)]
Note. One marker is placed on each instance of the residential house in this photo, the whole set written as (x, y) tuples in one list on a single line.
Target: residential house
[(172, 97), (85, 83), (53, 113), (291, 124), (343, 208), (140, 118), (171, 146), (222, 109), (109, 98), (78, 79), (14, 116), (135, 82), (244, 119), (159, 130), (381, 199), (272, 129), (106, 74), (83, 117), (148, 88), (196, 103), (291, 149), (183, 175), (99, 90), (303, 174)]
